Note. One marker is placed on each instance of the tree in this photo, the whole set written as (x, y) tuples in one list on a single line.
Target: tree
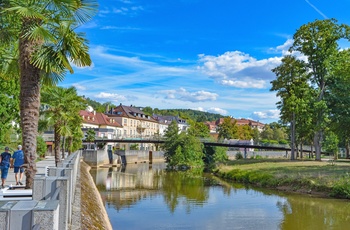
[(42, 44), (198, 129), (62, 109), (338, 100), (182, 149), (171, 138), (41, 146), (293, 89), (318, 41), (244, 132), (9, 109), (90, 136), (228, 129), (330, 144)]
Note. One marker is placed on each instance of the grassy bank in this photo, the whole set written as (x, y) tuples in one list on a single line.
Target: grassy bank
[(320, 178)]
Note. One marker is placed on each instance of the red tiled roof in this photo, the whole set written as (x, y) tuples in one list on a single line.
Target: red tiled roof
[(98, 119)]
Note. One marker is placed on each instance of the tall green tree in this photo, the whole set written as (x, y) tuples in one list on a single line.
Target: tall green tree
[(42, 44), (62, 109), (228, 129), (318, 41), (338, 99), (182, 149), (198, 129), (292, 87), (9, 109)]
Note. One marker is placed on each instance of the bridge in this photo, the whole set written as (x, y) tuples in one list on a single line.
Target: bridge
[(206, 142)]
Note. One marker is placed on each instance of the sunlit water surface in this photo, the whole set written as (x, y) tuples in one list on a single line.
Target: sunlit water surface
[(144, 196)]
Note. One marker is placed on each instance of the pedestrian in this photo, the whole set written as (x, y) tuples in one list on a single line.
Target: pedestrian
[(17, 161), (5, 158)]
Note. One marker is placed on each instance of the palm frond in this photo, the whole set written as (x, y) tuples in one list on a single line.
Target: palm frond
[(26, 12)]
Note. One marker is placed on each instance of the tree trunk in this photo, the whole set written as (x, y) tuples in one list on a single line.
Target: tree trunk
[(70, 145), (317, 144), (292, 155), (57, 144), (347, 149), (29, 107), (63, 147)]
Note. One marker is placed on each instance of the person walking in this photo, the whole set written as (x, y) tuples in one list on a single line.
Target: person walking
[(17, 161), (5, 158)]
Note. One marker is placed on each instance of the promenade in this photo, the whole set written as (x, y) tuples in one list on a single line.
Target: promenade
[(40, 165)]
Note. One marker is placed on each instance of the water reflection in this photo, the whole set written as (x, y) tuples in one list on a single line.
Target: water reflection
[(180, 200)]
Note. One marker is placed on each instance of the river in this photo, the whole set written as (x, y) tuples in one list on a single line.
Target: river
[(146, 197)]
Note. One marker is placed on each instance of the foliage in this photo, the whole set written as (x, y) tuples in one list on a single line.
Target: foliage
[(303, 85), (134, 146), (214, 155), (318, 41), (228, 129), (330, 144), (41, 147), (182, 150), (90, 135), (300, 176), (238, 156), (61, 109), (198, 129), (195, 115), (9, 109), (38, 46)]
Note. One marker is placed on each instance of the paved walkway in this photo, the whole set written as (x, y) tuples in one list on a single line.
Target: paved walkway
[(40, 165)]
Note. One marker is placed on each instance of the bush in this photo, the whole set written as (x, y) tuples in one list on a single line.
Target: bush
[(41, 147), (239, 156)]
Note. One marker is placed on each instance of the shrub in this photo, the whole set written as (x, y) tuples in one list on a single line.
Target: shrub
[(239, 156)]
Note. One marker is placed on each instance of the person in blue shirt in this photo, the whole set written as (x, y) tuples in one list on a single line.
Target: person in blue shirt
[(5, 158), (17, 161)]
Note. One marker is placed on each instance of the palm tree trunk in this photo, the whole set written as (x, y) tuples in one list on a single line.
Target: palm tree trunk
[(63, 147), (70, 143), (29, 108), (57, 137)]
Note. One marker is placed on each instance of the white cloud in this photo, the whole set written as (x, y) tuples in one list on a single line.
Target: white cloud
[(130, 11), (212, 110), (183, 94), (218, 110), (79, 86), (237, 69), (317, 10), (248, 83), (269, 114), (110, 97)]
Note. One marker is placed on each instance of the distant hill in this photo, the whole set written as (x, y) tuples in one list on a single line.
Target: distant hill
[(195, 115)]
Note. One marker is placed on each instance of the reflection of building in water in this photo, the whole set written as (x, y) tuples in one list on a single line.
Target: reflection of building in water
[(117, 185), (131, 176)]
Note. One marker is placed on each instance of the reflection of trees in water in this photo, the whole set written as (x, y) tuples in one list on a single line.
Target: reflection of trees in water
[(302, 212), (178, 186)]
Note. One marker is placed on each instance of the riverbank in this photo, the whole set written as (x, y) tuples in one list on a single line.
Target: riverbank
[(326, 179), (93, 212)]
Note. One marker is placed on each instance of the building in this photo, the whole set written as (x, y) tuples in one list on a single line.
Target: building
[(165, 121), (136, 124), (104, 126)]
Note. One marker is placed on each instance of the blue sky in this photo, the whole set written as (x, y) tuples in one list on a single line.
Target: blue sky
[(213, 56)]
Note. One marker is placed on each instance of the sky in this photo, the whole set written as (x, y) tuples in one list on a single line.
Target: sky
[(212, 56)]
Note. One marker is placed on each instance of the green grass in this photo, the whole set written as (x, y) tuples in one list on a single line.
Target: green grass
[(303, 176)]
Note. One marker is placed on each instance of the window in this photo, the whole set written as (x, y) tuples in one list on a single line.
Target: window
[(125, 121)]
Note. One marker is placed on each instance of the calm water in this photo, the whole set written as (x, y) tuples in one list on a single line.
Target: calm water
[(142, 196)]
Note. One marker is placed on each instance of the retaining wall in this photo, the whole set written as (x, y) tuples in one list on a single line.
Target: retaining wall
[(52, 200)]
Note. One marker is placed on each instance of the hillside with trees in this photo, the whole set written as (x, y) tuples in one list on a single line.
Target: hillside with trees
[(195, 115)]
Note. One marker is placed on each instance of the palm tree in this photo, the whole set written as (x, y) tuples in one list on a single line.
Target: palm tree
[(62, 109), (42, 44)]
